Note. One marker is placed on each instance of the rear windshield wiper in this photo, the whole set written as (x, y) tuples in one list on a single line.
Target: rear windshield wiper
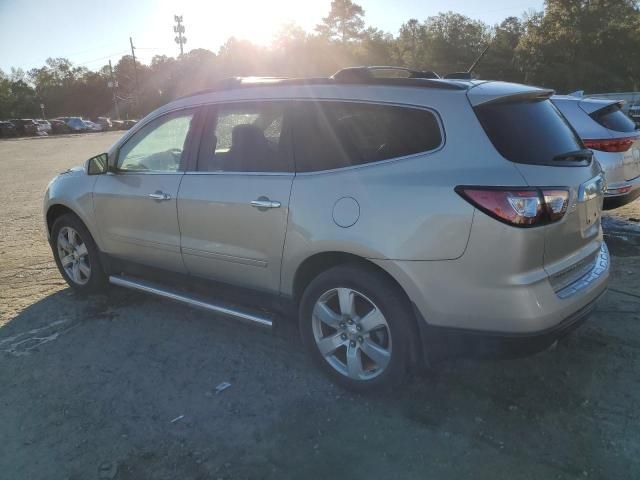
[(574, 156)]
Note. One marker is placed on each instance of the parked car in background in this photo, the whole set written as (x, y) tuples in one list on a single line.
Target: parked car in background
[(117, 125), (59, 126), (93, 127), (129, 124), (8, 129), (25, 126), (614, 139), (104, 122), (75, 124), (394, 218), (634, 113), (44, 126)]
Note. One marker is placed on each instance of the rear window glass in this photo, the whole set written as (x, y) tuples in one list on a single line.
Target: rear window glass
[(531, 132), (613, 118), (332, 135)]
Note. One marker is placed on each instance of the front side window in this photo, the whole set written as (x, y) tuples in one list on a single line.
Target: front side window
[(245, 138), (158, 146), (329, 135)]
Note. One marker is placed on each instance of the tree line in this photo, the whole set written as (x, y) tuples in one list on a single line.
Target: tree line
[(591, 45)]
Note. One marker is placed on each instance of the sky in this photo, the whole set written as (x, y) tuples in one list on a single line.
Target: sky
[(91, 32)]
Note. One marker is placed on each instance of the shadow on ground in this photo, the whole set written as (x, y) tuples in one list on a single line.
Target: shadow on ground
[(123, 386)]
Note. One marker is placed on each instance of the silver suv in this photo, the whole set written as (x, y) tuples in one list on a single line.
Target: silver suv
[(398, 219), (605, 129)]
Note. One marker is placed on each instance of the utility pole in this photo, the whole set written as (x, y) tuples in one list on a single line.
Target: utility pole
[(135, 71), (179, 29), (114, 86)]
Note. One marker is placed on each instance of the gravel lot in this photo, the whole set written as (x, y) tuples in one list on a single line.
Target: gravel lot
[(90, 388)]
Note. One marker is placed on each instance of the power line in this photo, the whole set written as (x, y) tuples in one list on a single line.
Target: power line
[(101, 58)]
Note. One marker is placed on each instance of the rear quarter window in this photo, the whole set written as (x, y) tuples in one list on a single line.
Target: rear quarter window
[(613, 118), (532, 132), (329, 135)]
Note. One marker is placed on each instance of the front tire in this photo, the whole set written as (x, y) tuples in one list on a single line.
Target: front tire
[(77, 255), (356, 324)]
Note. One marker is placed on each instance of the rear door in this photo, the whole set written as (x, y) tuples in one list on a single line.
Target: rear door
[(533, 134), (233, 204)]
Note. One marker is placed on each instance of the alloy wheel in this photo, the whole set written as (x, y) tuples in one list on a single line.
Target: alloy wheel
[(73, 255), (351, 333)]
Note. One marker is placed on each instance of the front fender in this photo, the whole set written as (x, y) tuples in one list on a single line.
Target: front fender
[(73, 190)]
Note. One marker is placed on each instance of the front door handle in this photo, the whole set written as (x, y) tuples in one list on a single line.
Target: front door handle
[(159, 196), (264, 203)]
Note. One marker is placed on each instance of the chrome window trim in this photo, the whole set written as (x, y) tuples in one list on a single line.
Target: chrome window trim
[(435, 113), (151, 172), (271, 174)]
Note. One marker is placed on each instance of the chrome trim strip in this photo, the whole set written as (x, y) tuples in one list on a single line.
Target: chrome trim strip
[(601, 266), (591, 189), (145, 243), (149, 288), (221, 256)]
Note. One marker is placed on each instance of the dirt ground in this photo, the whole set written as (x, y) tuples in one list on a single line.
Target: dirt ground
[(122, 385)]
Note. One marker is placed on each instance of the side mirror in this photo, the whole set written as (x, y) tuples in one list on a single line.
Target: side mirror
[(98, 165)]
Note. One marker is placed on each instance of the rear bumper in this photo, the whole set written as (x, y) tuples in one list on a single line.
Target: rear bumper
[(614, 200), (440, 342)]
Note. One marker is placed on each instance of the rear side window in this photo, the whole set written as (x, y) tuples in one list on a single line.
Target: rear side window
[(246, 138), (330, 135), (613, 118), (531, 132)]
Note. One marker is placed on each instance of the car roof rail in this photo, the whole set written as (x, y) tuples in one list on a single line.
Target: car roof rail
[(459, 76), (350, 74)]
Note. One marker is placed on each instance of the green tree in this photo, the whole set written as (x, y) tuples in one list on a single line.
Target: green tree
[(344, 23), (589, 45), (500, 62), (453, 41), (411, 45)]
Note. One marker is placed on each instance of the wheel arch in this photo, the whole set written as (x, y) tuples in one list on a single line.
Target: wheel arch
[(317, 263), (57, 209)]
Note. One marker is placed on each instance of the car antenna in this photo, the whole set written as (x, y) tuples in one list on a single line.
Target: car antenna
[(468, 74)]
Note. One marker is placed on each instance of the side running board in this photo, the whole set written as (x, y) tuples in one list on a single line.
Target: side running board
[(161, 291)]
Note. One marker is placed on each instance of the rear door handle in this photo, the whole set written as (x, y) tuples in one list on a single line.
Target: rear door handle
[(159, 196), (264, 204)]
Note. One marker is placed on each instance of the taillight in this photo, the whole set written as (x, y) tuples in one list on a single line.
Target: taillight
[(520, 207), (610, 145)]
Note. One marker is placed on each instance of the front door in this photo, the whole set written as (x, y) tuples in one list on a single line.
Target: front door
[(136, 206), (233, 204)]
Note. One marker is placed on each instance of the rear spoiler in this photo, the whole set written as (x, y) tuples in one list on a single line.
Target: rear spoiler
[(593, 105), (501, 92)]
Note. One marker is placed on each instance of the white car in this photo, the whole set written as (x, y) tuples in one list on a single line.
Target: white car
[(614, 140), (93, 127), (44, 126)]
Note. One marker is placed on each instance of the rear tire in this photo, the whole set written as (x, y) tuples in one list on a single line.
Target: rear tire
[(77, 255), (356, 325)]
